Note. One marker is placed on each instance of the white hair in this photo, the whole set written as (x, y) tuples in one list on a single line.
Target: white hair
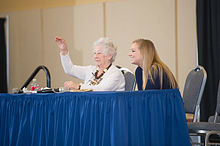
[(108, 46)]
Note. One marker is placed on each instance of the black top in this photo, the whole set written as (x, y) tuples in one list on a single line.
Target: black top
[(150, 84)]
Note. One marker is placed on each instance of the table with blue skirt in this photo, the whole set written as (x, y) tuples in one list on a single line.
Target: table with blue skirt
[(138, 118)]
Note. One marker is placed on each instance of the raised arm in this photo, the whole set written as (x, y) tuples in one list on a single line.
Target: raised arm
[(79, 72), (61, 43)]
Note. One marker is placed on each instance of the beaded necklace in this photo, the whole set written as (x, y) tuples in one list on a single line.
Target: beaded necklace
[(97, 78)]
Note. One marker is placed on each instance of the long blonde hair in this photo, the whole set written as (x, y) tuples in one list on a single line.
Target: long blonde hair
[(152, 64)]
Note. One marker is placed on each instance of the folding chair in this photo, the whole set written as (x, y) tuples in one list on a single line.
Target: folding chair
[(210, 128), (130, 82), (193, 90)]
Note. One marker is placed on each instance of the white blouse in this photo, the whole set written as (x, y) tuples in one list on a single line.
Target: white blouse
[(112, 80)]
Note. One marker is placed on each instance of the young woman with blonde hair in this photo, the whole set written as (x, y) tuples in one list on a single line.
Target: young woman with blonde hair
[(151, 72)]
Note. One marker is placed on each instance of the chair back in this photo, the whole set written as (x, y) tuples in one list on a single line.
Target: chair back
[(216, 118), (193, 90), (218, 104), (130, 82)]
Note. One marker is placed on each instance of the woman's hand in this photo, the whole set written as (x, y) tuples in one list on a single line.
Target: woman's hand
[(71, 85), (61, 43)]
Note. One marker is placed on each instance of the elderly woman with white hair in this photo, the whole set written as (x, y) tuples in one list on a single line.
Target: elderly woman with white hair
[(102, 77)]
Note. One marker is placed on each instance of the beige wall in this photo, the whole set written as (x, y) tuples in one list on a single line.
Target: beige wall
[(12, 5), (170, 24), (128, 20), (25, 45), (186, 38)]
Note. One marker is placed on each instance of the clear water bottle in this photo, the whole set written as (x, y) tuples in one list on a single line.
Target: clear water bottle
[(34, 85)]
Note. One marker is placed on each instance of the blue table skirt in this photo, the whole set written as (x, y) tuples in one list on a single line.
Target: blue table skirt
[(141, 118)]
